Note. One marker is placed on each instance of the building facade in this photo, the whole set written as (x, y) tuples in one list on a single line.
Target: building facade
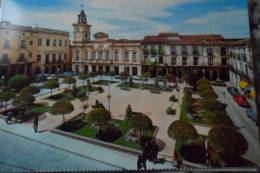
[(240, 61), (102, 53), (32, 50), (180, 55)]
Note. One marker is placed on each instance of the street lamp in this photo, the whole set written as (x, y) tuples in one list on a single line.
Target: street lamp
[(178, 90), (109, 97), (224, 97)]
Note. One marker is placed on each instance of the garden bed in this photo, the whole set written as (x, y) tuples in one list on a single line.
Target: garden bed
[(103, 82), (20, 116), (145, 87), (88, 131)]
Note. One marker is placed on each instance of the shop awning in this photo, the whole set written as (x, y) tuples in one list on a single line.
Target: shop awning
[(243, 84)]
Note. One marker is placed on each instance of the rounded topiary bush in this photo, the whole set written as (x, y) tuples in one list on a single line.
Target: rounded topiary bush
[(195, 153), (208, 94), (98, 115), (213, 105), (220, 118), (108, 132), (203, 81), (18, 82)]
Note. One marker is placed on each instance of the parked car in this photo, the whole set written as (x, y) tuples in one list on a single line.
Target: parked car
[(241, 100), (119, 77), (233, 91), (137, 77), (40, 78), (52, 76), (251, 113)]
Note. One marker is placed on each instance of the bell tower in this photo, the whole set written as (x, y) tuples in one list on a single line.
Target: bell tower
[(81, 29)]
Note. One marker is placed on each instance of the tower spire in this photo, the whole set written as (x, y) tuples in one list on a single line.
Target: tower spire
[(82, 18)]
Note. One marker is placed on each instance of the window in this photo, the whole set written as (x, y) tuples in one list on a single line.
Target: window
[(184, 50), (211, 61), (54, 43), (23, 45), (47, 42), (210, 51), (223, 51), (47, 58), (100, 55), (116, 56), (7, 44), (195, 61), (93, 56), (65, 56), (173, 60), (59, 59), (160, 59), (5, 59), (126, 56), (54, 58), (66, 43), (77, 55), (86, 55), (184, 61), (107, 55), (39, 42), (30, 55), (173, 50), (39, 58), (60, 43), (195, 50), (134, 56), (21, 57), (31, 43)]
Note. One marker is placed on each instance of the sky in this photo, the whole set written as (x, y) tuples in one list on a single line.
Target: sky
[(133, 19)]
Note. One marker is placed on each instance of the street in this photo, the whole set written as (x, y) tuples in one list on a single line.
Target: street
[(246, 126)]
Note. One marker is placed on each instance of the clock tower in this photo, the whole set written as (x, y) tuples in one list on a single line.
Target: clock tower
[(81, 29)]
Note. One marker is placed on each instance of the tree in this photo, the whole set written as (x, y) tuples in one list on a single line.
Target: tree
[(141, 123), (92, 75), (69, 80), (124, 75), (5, 96), (18, 82), (83, 76), (131, 80), (227, 140), (51, 84), (209, 94), (146, 75), (30, 89), (169, 78), (24, 101), (89, 85), (111, 74), (182, 131), (62, 107), (213, 104), (220, 118), (98, 115), (128, 112)]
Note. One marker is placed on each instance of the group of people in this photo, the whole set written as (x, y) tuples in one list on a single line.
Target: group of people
[(150, 152), (9, 117)]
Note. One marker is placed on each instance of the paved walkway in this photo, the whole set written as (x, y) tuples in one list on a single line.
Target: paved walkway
[(21, 149)]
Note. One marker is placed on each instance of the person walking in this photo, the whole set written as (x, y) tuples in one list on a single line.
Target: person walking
[(154, 151), (141, 162), (35, 123), (9, 117)]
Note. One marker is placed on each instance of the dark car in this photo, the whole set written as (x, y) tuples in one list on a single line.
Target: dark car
[(40, 78), (233, 91), (241, 100)]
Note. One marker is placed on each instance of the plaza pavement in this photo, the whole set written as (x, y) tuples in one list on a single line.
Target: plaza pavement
[(23, 150)]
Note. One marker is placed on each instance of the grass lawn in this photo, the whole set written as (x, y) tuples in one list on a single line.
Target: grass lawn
[(103, 82), (41, 109), (187, 118), (87, 131), (67, 96)]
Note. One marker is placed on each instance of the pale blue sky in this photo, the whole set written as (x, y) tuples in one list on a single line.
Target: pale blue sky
[(134, 19)]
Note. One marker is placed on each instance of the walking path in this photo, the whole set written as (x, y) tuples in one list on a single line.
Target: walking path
[(22, 149)]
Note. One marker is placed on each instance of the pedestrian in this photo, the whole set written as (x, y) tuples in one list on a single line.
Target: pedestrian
[(9, 117), (154, 151), (35, 123), (141, 162)]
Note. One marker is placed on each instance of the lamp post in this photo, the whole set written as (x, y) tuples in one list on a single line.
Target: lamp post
[(224, 97), (109, 97), (178, 90)]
